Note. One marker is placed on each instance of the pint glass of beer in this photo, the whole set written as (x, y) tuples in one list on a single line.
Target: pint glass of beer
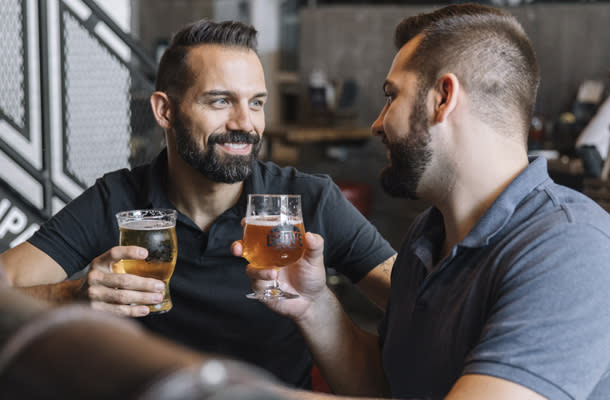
[(273, 236), (155, 230)]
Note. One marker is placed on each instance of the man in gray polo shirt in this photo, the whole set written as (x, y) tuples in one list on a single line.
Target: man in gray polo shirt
[(502, 289)]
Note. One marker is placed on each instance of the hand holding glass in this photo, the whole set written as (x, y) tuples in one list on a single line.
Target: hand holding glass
[(155, 230), (273, 237)]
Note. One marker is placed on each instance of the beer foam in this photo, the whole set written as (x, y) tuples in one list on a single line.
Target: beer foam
[(271, 220), (146, 225)]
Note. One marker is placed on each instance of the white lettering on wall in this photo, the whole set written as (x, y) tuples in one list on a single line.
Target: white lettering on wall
[(15, 222), (4, 205)]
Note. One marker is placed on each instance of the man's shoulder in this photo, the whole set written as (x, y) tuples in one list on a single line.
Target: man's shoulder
[(558, 225), (270, 170), (121, 188), (125, 177), (567, 206)]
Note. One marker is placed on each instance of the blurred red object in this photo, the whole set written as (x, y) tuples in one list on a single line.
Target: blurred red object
[(359, 194), (318, 384)]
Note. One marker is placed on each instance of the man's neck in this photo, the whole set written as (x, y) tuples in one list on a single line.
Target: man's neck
[(197, 197), (477, 185)]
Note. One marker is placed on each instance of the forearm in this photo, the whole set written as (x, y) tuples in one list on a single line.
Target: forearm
[(376, 284), (286, 393), (63, 292), (348, 357)]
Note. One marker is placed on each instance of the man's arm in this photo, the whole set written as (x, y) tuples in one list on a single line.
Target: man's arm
[(37, 274), (26, 265), (468, 387), (481, 387), (376, 284), (348, 357)]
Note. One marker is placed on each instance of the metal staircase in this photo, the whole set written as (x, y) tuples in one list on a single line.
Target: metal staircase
[(74, 92)]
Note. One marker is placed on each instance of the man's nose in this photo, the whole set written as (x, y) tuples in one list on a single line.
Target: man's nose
[(240, 119), (377, 127)]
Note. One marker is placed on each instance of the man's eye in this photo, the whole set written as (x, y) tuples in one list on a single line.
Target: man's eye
[(220, 102), (257, 103)]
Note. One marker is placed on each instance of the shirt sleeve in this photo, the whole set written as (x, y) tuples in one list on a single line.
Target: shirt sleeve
[(548, 326), (81, 231), (352, 246)]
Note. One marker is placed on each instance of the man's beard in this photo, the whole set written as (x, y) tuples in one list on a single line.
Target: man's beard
[(410, 156), (217, 165)]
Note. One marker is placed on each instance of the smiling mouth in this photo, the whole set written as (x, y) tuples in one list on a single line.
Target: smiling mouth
[(236, 148)]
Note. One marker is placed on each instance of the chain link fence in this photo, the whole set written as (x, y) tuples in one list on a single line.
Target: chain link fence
[(107, 120), (12, 78)]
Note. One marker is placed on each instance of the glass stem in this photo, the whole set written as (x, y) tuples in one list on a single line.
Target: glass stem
[(276, 281)]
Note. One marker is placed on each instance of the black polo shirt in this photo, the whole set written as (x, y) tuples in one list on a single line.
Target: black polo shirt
[(209, 284)]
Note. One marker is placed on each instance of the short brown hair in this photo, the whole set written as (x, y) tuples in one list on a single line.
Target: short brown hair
[(173, 75), (489, 52)]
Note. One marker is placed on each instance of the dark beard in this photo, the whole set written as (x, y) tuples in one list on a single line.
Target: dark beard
[(215, 165), (409, 156)]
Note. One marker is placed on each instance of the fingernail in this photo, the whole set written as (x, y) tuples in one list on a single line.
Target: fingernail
[(157, 298), (159, 287), (142, 311)]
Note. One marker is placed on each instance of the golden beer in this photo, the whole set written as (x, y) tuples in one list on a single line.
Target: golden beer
[(270, 242), (159, 238), (273, 237)]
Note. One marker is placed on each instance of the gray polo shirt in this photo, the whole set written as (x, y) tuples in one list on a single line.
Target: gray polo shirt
[(524, 297)]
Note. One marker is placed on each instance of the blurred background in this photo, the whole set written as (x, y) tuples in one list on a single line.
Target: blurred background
[(76, 76)]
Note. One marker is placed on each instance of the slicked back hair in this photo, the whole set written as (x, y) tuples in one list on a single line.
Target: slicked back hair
[(489, 52), (173, 74)]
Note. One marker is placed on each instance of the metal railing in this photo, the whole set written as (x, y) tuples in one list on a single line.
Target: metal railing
[(74, 91)]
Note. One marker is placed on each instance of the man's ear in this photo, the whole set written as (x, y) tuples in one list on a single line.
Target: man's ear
[(159, 101), (446, 93)]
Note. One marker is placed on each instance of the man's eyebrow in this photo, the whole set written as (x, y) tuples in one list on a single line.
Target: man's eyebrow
[(218, 93), (213, 93)]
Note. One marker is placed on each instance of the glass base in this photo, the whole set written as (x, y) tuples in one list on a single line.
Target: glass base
[(272, 293), (161, 308)]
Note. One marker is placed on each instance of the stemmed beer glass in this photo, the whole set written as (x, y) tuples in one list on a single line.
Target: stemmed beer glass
[(273, 237)]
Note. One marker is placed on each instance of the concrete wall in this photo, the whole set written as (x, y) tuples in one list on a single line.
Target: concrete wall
[(158, 19), (155, 20), (571, 42)]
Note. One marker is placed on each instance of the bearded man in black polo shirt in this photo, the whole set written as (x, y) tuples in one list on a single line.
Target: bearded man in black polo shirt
[(210, 96)]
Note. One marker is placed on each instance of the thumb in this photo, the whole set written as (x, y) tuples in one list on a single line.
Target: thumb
[(314, 249), (237, 248)]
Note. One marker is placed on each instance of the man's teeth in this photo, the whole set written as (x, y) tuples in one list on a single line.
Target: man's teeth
[(236, 146)]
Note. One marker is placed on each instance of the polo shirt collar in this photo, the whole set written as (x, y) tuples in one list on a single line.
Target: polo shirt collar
[(503, 208), (157, 177), (253, 184), (493, 220)]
